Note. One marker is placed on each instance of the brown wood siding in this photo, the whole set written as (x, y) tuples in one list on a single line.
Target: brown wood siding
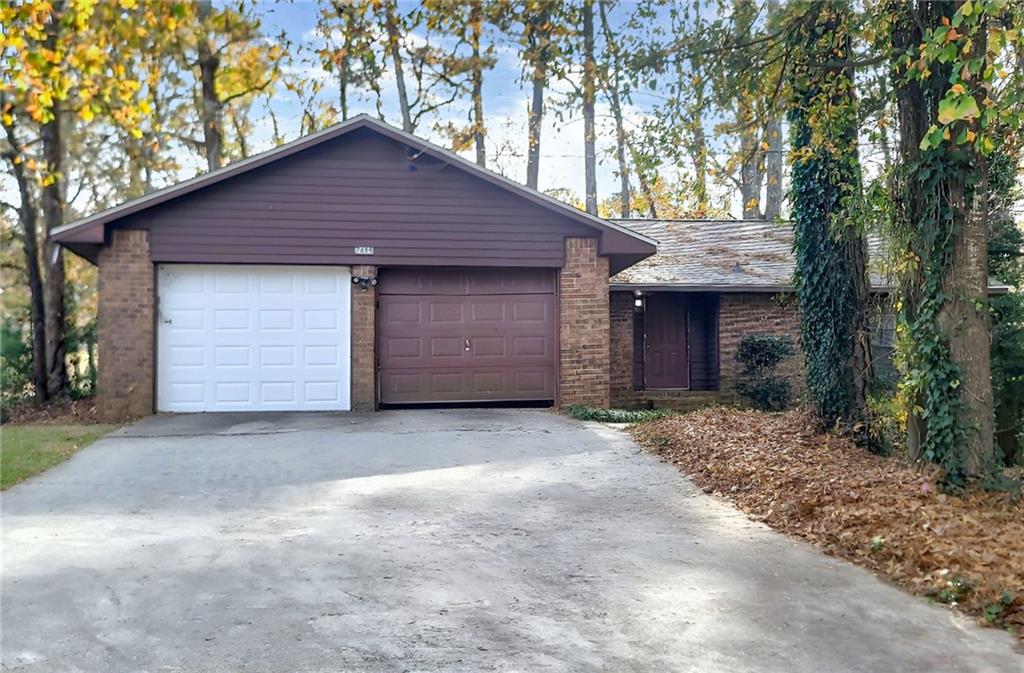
[(358, 190)]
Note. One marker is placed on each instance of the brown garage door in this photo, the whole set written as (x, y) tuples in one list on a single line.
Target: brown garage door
[(466, 335)]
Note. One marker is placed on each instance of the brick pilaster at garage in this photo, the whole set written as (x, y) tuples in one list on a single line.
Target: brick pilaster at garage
[(364, 341), (126, 323), (583, 325)]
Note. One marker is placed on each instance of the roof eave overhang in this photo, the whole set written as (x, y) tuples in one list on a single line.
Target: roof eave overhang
[(993, 290)]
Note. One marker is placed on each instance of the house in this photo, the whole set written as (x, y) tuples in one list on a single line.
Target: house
[(362, 266), (356, 267)]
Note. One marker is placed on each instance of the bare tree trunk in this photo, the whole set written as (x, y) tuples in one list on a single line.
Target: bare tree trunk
[(773, 166), (30, 230), (700, 163), (645, 184), (52, 204), (539, 58), (774, 160), (208, 62), (861, 358), (476, 20), (589, 123), (535, 121), (964, 317), (394, 46), (613, 89), (751, 176), (243, 145)]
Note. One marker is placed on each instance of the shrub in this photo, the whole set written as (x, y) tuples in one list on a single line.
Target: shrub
[(585, 413), (760, 354)]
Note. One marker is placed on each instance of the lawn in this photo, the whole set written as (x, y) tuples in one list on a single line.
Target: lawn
[(27, 450)]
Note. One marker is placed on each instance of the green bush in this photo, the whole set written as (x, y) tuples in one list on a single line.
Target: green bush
[(15, 361), (760, 354), (584, 413)]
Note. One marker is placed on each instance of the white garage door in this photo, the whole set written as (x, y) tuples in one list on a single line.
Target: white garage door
[(253, 338)]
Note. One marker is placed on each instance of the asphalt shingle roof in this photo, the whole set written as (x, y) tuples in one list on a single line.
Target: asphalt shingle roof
[(755, 255)]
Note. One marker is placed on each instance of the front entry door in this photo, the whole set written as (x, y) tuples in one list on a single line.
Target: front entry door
[(666, 358)]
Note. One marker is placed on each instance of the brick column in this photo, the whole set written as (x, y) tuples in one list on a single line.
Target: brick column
[(125, 339), (621, 348), (364, 342), (583, 325)]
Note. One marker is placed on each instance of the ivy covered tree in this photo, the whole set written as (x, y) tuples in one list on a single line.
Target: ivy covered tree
[(831, 279), (956, 94)]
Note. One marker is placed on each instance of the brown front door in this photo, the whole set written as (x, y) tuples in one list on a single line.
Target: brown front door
[(466, 335), (666, 358)]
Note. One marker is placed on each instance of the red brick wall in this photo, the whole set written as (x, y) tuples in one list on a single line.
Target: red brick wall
[(125, 339), (621, 348), (763, 313), (364, 342), (583, 325)]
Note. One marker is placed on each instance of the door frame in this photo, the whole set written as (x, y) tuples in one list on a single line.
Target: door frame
[(681, 302)]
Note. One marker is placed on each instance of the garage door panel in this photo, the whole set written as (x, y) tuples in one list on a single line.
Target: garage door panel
[(466, 385), (253, 338), (443, 339)]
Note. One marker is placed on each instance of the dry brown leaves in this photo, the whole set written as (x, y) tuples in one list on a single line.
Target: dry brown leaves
[(878, 512), (65, 412)]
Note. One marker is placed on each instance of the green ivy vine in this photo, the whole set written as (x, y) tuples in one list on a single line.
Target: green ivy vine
[(825, 177)]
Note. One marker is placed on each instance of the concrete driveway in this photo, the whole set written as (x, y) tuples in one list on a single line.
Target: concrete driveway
[(429, 541)]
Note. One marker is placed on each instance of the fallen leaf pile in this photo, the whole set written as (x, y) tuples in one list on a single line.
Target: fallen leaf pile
[(966, 551), (65, 412)]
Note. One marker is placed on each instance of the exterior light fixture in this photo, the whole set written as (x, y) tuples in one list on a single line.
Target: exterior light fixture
[(364, 282)]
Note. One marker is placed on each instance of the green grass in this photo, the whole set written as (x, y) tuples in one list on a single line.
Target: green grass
[(583, 413), (27, 450)]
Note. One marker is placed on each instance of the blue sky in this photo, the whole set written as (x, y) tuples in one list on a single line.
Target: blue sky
[(506, 100)]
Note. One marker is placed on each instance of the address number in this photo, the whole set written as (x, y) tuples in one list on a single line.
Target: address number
[(364, 250)]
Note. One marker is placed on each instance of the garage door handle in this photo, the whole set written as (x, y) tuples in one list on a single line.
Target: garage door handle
[(467, 345)]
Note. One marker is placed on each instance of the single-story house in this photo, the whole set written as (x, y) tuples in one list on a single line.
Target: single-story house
[(361, 267), (356, 267)]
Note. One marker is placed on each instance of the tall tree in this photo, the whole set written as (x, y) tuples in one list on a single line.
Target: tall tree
[(538, 53), (589, 96), (395, 34), (611, 82), (464, 64), (949, 62), (831, 277), (773, 140), (232, 63), (476, 28), (14, 154), (66, 62)]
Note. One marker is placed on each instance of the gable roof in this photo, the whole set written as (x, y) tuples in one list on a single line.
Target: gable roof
[(728, 256), (615, 238)]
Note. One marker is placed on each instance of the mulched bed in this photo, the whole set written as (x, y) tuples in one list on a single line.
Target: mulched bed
[(65, 412), (966, 551)]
